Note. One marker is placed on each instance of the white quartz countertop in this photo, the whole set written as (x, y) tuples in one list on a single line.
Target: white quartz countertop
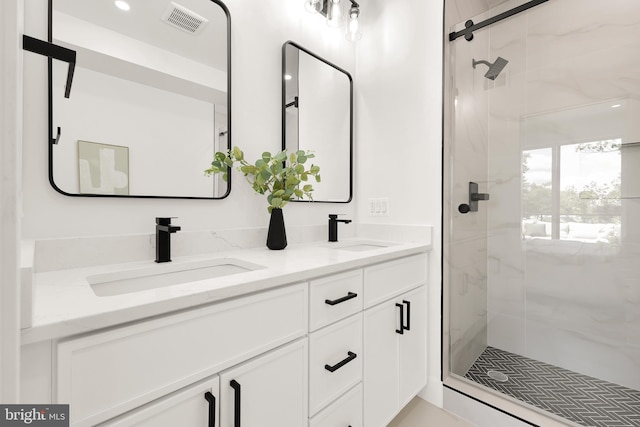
[(64, 303)]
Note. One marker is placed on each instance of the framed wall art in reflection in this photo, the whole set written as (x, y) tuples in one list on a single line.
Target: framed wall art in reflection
[(103, 168)]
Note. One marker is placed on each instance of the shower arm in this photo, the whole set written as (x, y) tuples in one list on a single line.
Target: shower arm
[(481, 61)]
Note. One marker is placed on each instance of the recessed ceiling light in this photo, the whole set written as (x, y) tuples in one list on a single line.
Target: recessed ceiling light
[(122, 5), (616, 106), (287, 77)]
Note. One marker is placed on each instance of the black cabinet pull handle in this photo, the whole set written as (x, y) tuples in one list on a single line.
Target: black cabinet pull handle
[(401, 330), (341, 363), (349, 296), (408, 303), (235, 385), (212, 408)]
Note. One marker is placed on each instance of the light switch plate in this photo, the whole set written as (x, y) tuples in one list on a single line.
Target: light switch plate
[(379, 206)]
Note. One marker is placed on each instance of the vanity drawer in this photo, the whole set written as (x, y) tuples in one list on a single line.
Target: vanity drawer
[(389, 279), (335, 361), (334, 297), (105, 374), (346, 411)]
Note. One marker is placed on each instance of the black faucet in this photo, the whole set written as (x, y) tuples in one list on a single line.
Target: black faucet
[(163, 239), (333, 226)]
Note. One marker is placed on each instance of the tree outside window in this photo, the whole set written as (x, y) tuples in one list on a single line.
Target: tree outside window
[(572, 192)]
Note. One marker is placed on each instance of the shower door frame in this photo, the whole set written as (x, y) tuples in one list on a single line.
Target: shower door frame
[(498, 401)]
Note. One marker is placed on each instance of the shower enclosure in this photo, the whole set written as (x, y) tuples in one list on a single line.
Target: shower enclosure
[(541, 277)]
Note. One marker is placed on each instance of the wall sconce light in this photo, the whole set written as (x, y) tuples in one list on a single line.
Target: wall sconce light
[(330, 9)]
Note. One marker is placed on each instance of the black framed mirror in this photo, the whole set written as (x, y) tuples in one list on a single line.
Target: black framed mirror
[(317, 115), (149, 100)]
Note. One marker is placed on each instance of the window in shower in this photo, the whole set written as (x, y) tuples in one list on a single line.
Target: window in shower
[(572, 192)]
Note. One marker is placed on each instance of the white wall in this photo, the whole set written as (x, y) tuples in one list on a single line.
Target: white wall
[(258, 31), (10, 161), (398, 131), (398, 126)]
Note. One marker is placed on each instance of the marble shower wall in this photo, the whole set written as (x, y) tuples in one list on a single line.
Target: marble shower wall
[(570, 303)]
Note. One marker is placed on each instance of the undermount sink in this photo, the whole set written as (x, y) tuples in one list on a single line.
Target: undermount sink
[(163, 275), (361, 246)]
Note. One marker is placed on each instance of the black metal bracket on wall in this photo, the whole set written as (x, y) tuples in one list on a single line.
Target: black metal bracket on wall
[(54, 51), (470, 27)]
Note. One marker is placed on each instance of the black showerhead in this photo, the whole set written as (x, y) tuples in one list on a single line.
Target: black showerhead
[(494, 69)]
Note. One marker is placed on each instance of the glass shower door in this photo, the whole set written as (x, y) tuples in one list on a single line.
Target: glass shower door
[(545, 119)]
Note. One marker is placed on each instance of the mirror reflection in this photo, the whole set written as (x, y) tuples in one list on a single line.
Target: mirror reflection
[(148, 103), (317, 116)]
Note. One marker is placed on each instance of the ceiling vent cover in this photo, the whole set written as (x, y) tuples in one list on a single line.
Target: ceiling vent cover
[(184, 19)]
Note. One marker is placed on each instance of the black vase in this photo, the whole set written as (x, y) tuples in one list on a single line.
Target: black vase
[(277, 236)]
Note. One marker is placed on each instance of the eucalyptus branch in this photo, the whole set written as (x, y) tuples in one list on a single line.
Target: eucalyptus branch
[(278, 176)]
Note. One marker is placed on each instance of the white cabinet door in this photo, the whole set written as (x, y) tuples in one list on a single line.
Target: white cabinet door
[(413, 346), (194, 406), (395, 361), (270, 390), (381, 359)]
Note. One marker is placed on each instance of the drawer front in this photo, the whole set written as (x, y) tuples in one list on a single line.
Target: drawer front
[(334, 298), (346, 411), (105, 374), (197, 405), (389, 279), (335, 361)]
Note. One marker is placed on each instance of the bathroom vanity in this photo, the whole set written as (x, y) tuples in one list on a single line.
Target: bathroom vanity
[(317, 335)]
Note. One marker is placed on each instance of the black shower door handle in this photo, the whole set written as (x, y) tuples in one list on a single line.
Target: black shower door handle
[(235, 385), (474, 198)]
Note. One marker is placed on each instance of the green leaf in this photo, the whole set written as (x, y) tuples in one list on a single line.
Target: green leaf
[(298, 193), (307, 188), (266, 156), (248, 170), (304, 177), (281, 156), (314, 169), (260, 163), (278, 193), (277, 168), (265, 174), (302, 158), (317, 178), (299, 168), (237, 153), (292, 158), (276, 202), (220, 156), (292, 181)]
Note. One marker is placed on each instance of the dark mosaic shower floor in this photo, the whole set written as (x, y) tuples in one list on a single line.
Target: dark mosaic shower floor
[(584, 400)]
